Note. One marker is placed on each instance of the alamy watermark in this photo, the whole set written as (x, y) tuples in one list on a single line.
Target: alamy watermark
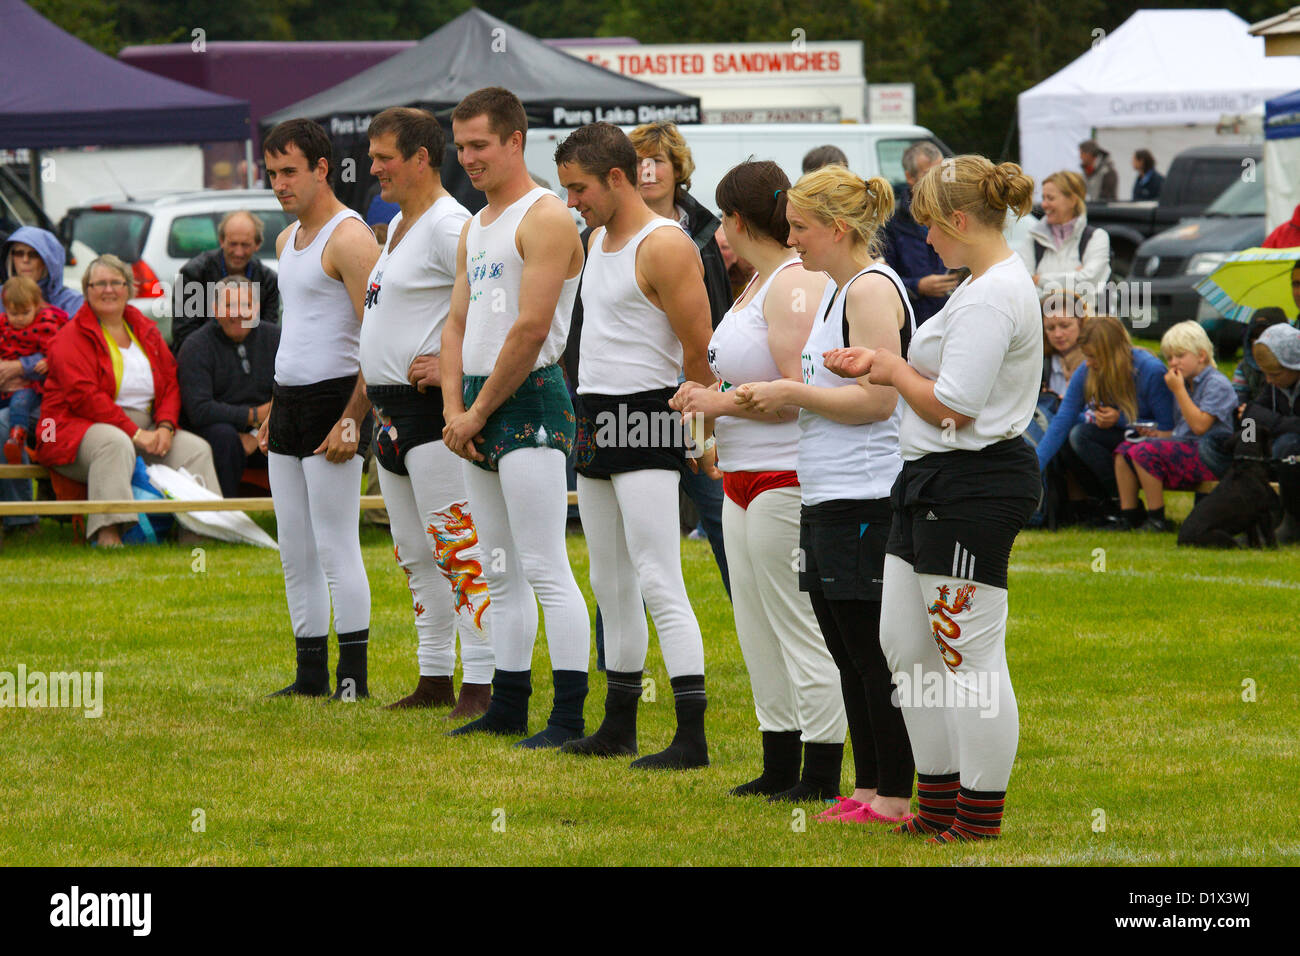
[(1126, 299), (968, 690), (78, 690), (634, 428), (127, 910)]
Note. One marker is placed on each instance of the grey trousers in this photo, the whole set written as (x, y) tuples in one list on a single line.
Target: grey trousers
[(106, 458)]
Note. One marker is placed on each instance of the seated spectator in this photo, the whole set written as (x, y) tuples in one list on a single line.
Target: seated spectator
[(1163, 459), (1117, 384), (928, 281), (34, 254), (1286, 235), (1149, 182), (1064, 252), (1062, 322), (1248, 379), (1101, 177), (226, 370), (1277, 408), (111, 393), (820, 156), (239, 235), (26, 329), (37, 254), (1063, 319)]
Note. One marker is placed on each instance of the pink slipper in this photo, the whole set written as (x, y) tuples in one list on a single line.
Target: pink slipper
[(864, 814), (843, 805)]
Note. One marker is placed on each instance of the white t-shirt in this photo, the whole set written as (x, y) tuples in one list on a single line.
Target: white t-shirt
[(136, 391), (984, 352), (408, 294)]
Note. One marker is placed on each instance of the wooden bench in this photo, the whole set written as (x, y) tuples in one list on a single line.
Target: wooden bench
[(165, 506)]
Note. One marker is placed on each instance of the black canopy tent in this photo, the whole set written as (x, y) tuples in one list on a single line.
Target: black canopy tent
[(470, 52)]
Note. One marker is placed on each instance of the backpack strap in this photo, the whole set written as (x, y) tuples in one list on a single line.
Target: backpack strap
[(1084, 236)]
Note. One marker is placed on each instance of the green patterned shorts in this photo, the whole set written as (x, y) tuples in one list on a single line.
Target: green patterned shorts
[(538, 415)]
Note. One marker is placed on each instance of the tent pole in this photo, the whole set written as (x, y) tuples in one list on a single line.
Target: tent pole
[(248, 162), (34, 174)]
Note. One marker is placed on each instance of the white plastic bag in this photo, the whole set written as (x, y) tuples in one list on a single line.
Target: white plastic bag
[(233, 526)]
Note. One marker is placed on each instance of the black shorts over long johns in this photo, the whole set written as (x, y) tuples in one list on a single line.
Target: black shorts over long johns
[(303, 415), (957, 513), (407, 418), (634, 432), (842, 546)]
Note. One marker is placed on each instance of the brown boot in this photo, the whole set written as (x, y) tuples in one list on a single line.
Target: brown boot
[(430, 692), (474, 700)]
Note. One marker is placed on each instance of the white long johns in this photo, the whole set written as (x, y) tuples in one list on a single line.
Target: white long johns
[(795, 681), (520, 512), (630, 522), (945, 641), (317, 508), (436, 545)]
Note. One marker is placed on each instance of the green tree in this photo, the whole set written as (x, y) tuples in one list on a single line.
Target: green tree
[(968, 59)]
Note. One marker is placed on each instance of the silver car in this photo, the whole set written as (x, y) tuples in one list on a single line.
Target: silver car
[(157, 234)]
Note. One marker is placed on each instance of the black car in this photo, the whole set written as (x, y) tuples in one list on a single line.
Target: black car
[(1174, 261), (1195, 179)]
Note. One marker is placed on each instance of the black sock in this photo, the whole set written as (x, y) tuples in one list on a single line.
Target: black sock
[(689, 748), (508, 711), (565, 722), (1134, 517), (821, 775), (616, 735), (313, 677), (350, 675), (1156, 514), (782, 752)]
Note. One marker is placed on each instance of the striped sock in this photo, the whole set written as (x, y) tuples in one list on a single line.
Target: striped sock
[(936, 797), (979, 817)]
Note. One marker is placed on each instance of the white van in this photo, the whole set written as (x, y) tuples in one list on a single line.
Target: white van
[(872, 149)]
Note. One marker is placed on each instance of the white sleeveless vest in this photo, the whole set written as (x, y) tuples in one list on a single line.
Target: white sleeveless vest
[(495, 270), (838, 461), (319, 332), (739, 353), (627, 342)]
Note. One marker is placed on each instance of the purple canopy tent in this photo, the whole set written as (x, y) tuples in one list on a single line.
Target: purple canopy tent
[(59, 91)]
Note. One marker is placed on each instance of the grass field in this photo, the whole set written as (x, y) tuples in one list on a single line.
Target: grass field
[(1129, 680)]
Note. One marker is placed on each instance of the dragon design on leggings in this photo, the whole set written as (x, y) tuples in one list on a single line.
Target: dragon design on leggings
[(465, 575), (946, 629), (419, 608)]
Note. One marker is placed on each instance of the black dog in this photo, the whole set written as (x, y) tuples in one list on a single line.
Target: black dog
[(1243, 503)]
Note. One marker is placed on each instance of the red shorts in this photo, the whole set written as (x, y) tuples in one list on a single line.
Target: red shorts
[(742, 487)]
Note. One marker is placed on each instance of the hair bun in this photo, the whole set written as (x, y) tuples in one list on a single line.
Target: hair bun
[(878, 199), (1005, 186)]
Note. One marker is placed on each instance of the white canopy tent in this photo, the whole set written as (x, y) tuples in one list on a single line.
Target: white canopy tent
[(1162, 80)]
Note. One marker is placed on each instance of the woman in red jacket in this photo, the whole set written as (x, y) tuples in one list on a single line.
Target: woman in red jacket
[(112, 393)]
